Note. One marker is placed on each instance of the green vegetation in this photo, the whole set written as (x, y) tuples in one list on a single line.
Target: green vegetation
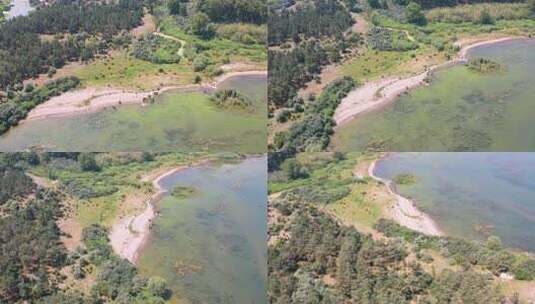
[(182, 192), (16, 104), (157, 49), (231, 99), (313, 132), (405, 179), (316, 255), (490, 255), (91, 28), (39, 268), (384, 39), (473, 13), (414, 14), (485, 66)]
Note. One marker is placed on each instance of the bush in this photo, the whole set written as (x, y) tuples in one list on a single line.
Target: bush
[(87, 162), (486, 18), (414, 14), (293, 169), (200, 63)]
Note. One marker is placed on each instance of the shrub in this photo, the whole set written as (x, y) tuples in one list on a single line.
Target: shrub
[(200, 63), (414, 14)]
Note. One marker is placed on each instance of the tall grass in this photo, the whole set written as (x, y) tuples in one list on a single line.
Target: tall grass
[(472, 12), (243, 33)]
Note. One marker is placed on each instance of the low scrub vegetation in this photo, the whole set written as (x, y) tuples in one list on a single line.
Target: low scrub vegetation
[(231, 99), (17, 104), (473, 12), (384, 39), (157, 49), (485, 66)]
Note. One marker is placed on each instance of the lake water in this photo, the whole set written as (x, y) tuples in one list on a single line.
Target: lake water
[(176, 121), (472, 194), (461, 110), (211, 247)]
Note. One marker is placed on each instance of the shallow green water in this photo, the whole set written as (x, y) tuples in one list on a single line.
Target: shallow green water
[(219, 233), (177, 121), (472, 194), (460, 111)]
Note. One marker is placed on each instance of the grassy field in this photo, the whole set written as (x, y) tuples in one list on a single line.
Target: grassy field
[(113, 186), (122, 70), (218, 50)]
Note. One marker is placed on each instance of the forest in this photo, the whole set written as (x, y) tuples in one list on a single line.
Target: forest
[(316, 255), (317, 30), (313, 132), (80, 32), (34, 259), (17, 104)]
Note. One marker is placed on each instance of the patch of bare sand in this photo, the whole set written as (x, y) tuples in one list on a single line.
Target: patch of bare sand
[(404, 211), (361, 25), (328, 74), (148, 26)]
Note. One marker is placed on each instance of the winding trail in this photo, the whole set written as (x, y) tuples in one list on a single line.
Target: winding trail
[(180, 51), (381, 92), (404, 211)]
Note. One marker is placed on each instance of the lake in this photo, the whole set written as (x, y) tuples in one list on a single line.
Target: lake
[(461, 110), (211, 247), (472, 195), (177, 121)]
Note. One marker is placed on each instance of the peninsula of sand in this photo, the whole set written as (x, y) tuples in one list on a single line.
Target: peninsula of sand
[(381, 92), (404, 210), (92, 99), (130, 233)]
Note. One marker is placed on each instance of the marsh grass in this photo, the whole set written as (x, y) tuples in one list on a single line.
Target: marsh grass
[(472, 12)]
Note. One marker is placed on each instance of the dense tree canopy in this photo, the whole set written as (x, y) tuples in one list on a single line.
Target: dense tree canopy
[(23, 54)]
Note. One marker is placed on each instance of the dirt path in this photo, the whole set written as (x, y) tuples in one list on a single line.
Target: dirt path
[(404, 210), (182, 42), (381, 92)]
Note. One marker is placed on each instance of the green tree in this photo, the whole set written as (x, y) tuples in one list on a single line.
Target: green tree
[(531, 6), (494, 243), (293, 169), (374, 4), (414, 14), (485, 17), (200, 25), (158, 287), (174, 7), (87, 162)]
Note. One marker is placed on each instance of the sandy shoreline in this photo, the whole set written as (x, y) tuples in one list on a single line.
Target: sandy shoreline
[(130, 233), (405, 211), (91, 100), (381, 92)]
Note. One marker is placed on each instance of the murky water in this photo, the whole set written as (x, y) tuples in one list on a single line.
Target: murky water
[(177, 121), (461, 110), (472, 195), (211, 247)]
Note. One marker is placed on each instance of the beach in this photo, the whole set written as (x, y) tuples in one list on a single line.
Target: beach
[(95, 99), (381, 92), (129, 234), (404, 211)]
